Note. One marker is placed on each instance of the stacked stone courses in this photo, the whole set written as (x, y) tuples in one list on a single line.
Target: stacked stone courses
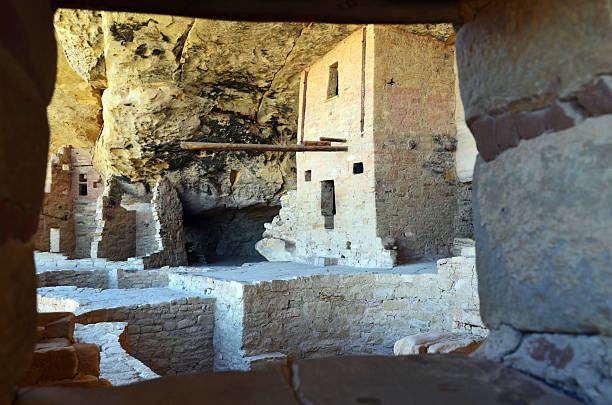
[(342, 312), (169, 331)]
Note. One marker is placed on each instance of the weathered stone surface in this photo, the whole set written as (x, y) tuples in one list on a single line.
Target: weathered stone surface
[(75, 111), (80, 34), (115, 237), (89, 358), (532, 205), (62, 327), (279, 238), (264, 361), (116, 365), (328, 311), (80, 381), (27, 73), (431, 379), (576, 364), (51, 364), (499, 47), (268, 386), (499, 343), (168, 221), (432, 343), (579, 365), (170, 331), (275, 250)]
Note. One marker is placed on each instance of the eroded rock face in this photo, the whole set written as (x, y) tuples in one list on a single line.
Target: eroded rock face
[(75, 111)]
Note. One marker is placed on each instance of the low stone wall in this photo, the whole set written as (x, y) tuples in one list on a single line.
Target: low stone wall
[(77, 278), (116, 365), (141, 278), (169, 331), (332, 314)]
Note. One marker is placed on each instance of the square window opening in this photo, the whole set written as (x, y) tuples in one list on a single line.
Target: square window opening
[(358, 168), (332, 84), (82, 177)]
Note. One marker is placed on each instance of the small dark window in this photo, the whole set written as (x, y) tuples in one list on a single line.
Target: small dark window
[(328, 203), (358, 168), (308, 175), (83, 189), (332, 84), (82, 177)]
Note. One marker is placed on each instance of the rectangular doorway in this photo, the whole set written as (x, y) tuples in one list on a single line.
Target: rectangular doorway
[(328, 203)]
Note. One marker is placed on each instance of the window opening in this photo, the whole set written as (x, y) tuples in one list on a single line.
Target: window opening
[(308, 175), (332, 84), (358, 168), (82, 184)]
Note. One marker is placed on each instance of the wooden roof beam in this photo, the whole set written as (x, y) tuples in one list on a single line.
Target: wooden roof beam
[(261, 147)]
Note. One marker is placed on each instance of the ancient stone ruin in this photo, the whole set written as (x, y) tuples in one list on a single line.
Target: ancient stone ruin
[(253, 203)]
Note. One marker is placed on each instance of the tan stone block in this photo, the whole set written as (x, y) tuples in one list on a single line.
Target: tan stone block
[(81, 381), (88, 355), (58, 326), (51, 364), (51, 343)]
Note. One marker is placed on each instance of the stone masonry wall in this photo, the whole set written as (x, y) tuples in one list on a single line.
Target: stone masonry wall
[(464, 217), (229, 312), (115, 237), (168, 219), (359, 314), (329, 315), (141, 278), (77, 278), (170, 337), (414, 138), (146, 240), (353, 239), (57, 209), (84, 205)]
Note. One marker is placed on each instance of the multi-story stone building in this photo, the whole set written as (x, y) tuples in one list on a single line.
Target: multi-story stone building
[(392, 196)]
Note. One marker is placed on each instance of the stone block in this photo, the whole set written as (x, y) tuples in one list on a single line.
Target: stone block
[(432, 343), (51, 363), (431, 379), (88, 355), (577, 364), (537, 270), (526, 36), (58, 327)]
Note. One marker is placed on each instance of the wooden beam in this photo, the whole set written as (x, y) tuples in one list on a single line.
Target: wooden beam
[(317, 143), (327, 139), (261, 147)]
